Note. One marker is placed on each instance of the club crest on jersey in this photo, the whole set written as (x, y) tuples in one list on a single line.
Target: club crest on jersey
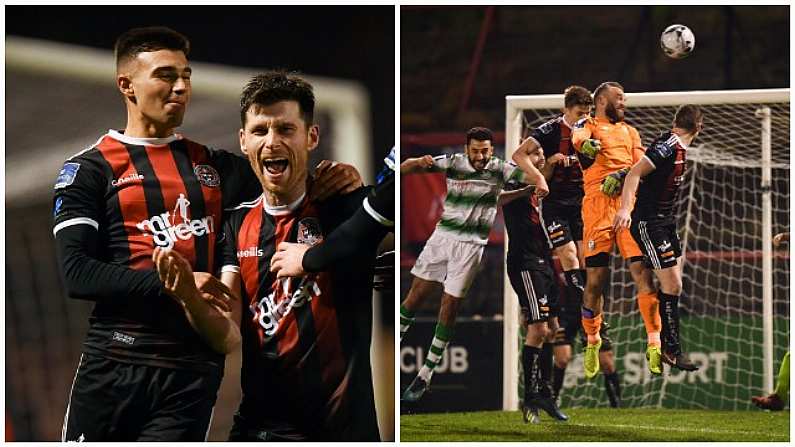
[(169, 227), (309, 231), (207, 175), (67, 175)]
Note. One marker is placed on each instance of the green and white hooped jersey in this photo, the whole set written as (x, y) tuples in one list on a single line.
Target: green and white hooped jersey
[(471, 202)]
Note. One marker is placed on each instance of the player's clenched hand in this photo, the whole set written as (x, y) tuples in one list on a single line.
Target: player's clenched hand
[(612, 184), (288, 259), (622, 219), (590, 148), (780, 239), (333, 178)]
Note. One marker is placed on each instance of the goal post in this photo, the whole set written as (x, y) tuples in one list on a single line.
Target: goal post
[(733, 279)]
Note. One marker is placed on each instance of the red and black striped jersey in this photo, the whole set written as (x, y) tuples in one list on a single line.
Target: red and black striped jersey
[(565, 186), (658, 192), (137, 194), (527, 242), (306, 341)]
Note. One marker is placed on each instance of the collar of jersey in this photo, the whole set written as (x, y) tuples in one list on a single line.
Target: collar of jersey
[(142, 141), (681, 143), (281, 210)]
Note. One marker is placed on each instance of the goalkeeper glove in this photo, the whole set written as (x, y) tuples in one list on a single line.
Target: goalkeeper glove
[(590, 148), (612, 184)]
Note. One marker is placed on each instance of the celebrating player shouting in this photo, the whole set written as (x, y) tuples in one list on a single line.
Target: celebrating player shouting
[(653, 220), (613, 145)]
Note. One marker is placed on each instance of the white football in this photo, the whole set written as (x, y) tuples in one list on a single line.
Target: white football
[(677, 41)]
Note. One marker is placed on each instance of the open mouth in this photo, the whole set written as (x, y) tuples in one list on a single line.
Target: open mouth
[(275, 166)]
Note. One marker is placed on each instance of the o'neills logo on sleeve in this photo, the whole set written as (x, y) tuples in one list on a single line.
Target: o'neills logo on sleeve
[(169, 227), (250, 252)]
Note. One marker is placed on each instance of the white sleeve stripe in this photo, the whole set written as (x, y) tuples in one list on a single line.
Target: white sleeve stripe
[(649, 159), (75, 221), (375, 215), (230, 268)]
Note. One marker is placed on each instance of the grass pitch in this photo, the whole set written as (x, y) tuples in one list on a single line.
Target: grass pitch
[(600, 425)]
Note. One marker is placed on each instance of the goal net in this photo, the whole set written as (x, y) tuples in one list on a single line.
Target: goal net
[(735, 299)]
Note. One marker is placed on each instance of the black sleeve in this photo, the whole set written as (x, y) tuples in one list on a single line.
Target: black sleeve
[(238, 182), (354, 233), (380, 204), (78, 216), (226, 246), (544, 135), (659, 152), (87, 278), (360, 234)]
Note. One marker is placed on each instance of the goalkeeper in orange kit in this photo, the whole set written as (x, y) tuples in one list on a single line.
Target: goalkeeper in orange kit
[(613, 146)]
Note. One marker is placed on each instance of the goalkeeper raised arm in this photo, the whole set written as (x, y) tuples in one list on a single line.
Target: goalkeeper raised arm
[(653, 221)]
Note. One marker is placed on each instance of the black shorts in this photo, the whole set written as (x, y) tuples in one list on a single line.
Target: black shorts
[(536, 289), (562, 223), (570, 324), (115, 401), (658, 241)]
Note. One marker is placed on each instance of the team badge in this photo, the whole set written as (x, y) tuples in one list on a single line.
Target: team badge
[(67, 175), (591, 244), (309, 231), (207, 175)]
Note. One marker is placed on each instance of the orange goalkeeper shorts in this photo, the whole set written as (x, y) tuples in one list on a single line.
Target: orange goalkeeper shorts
[(598, 212)]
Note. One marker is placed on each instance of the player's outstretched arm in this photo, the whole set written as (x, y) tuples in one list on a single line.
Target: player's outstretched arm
[(209, 304), (360, 234), (416, 165), (639, 170), (509, 196), (333, 178)]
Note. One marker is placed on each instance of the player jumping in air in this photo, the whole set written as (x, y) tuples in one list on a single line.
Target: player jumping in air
[(653, 220), (453, 252), (562, 218), (530, 271), (614, 146)]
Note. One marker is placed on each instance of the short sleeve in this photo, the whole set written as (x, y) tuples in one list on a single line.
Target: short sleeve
[(544, 135), (79, 193), (659, 152), (441, 163), (512, 173), (226, 246)]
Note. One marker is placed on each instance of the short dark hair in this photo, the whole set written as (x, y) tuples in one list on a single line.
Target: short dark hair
[(576, 95), (689, 117), (480, 134), (278, 85), (603, 87), (144, 40)]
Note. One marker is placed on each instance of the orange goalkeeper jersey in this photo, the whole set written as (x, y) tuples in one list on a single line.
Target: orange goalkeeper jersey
[(621, 148)]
